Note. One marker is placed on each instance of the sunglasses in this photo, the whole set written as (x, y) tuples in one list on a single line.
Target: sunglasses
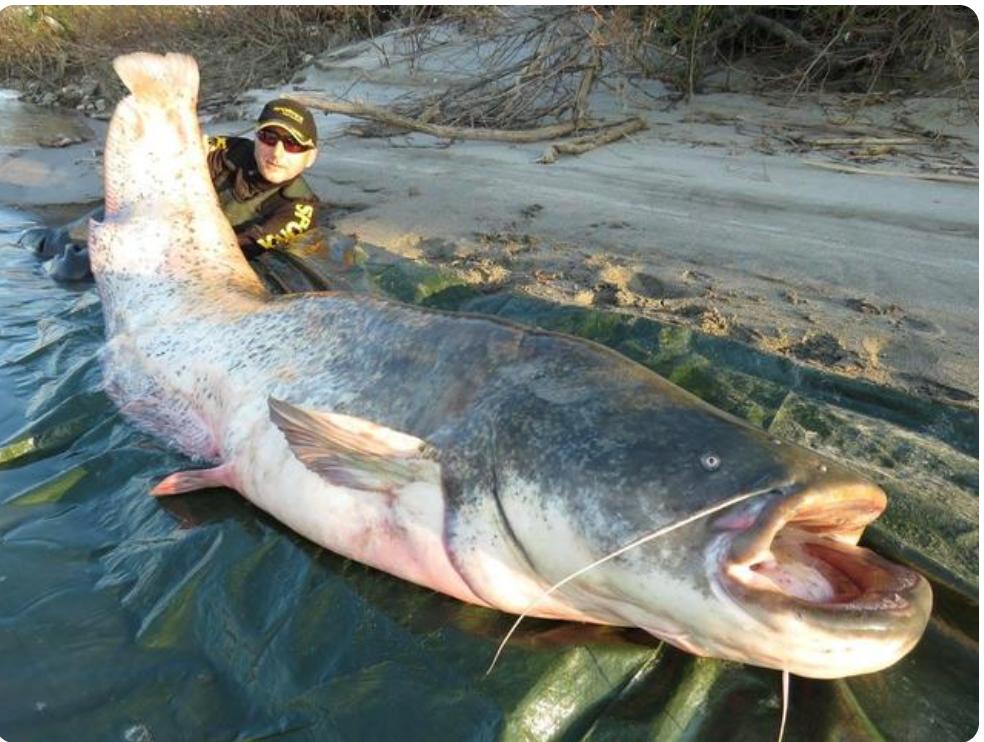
[(270, 138)]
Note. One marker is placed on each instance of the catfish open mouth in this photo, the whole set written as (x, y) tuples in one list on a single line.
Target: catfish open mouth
[(801, 550)]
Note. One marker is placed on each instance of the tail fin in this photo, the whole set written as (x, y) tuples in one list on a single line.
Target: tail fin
[(152, 77), (162, 217), (153, 130)]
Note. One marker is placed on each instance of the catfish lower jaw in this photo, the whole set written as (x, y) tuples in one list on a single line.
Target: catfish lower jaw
[(797, 569), (820, 574)]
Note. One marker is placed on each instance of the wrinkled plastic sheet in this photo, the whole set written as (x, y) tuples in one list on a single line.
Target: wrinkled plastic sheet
[(200, 617)]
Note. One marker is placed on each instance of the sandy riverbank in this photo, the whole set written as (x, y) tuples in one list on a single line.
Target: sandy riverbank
[(719, 216)]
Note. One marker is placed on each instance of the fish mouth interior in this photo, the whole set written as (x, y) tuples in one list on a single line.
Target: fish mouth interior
[(802, 549)]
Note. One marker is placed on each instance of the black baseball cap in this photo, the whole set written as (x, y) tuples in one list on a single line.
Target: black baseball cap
[(292, 116)]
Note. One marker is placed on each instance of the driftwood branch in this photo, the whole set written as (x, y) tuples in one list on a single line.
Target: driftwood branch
[(584, 90), (891, 173), (375, 113), (864, 142), (587, 143)]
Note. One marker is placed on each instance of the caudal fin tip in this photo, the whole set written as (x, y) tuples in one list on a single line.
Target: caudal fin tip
[(149, 75)]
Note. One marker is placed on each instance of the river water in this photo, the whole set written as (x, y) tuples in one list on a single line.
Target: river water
[(25, 124)]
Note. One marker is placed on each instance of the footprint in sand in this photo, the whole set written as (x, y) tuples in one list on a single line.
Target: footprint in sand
[(921, 325)]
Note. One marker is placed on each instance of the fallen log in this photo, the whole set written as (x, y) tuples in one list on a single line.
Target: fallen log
[(375, 113)]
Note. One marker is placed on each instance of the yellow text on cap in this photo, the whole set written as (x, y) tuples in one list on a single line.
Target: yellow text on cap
[(293, 115)]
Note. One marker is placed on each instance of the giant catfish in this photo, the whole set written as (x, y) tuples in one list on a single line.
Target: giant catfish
[(470, 455)]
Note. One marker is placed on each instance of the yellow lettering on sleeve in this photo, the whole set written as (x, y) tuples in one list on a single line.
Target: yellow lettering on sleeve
[(303, 213)]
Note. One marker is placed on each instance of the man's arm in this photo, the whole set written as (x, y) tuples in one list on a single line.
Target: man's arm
[(292, 218), (215, 151)]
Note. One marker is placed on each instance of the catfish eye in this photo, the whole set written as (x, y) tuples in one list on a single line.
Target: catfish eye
[(710, 461)]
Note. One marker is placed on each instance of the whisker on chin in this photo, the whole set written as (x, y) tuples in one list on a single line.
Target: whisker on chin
[(699, 515)]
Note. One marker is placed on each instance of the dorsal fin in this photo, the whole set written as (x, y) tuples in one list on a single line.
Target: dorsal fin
[(351, 452)]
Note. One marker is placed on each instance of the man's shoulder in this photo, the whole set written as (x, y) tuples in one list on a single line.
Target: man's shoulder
[(236, 151), (298, 190)]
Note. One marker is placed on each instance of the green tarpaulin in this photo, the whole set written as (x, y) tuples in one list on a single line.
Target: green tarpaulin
[(199, 617)]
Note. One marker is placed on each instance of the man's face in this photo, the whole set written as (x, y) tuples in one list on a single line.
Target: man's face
[(276, 164)]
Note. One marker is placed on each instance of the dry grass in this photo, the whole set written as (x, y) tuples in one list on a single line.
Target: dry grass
[(534, 72), (237, 47), (849, 48)]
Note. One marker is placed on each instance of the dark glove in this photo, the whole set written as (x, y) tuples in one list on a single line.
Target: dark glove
[(71, 265), (44, 242)]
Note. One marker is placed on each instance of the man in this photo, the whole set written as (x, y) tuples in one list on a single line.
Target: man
[(259, 184)]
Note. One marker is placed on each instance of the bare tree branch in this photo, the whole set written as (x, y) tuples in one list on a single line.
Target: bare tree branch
[(374, 113)]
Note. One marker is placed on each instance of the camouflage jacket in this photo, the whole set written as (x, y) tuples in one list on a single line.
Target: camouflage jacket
[(262, 214)]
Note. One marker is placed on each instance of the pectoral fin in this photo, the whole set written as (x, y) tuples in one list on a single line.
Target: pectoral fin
[(351, 452)]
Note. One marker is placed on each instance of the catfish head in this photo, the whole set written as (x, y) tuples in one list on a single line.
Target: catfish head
[(743, 547)]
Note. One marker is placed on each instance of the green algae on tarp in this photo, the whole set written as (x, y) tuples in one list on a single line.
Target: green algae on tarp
[(55, 430), (956, 426), (932, 519)]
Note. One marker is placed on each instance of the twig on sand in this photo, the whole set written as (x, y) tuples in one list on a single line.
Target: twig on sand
[(864, 142), (375, 113), (585, 144), (946, 178)]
